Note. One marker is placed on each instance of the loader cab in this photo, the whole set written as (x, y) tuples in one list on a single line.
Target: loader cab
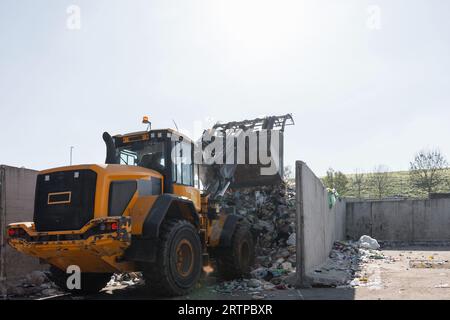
[(166, 151)]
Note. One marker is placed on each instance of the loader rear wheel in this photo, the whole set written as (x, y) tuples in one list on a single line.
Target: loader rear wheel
[(236, 260), (179, 262), (89, 282)]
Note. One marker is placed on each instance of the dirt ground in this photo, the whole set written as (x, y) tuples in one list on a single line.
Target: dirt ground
[(408, 273)]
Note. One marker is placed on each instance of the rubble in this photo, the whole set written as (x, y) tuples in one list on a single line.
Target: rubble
[(121, 281), (34, 285), (36, 278), (291, 241), (38, 285), (125, 279), (346, 265), (271, 212), (256, 286)]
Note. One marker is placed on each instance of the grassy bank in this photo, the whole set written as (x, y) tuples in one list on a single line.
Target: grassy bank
[(399, 186)]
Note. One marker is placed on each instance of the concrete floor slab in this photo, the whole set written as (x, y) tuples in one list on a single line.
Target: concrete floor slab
[(394, 278)]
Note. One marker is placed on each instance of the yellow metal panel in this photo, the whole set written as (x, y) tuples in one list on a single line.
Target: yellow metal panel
[(216, 230), (98, 253), (191, 193), (139, 212)]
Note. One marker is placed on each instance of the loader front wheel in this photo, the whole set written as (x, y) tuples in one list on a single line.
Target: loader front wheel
[(89, 282), (236, 260), (179, 263)]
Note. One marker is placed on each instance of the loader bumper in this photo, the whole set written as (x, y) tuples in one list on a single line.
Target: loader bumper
[(97, 247)]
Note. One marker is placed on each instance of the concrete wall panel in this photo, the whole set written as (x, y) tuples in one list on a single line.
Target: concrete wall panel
[(359, 219), (318, 226), (17, 196), (405, 220)]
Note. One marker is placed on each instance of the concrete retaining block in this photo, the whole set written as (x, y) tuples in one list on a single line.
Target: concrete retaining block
[(17, 188), (318, 226)]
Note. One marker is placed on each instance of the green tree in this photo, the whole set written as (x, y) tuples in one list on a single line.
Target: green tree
[(336, 180), (328, 180), (358, 182), (341, 183), (380, 180), (426, 171)]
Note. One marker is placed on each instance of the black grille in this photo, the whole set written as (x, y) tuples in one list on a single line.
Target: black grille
[(64, 200), (120, 194)]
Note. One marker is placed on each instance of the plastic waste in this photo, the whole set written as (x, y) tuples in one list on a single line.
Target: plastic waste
[(367, 242)]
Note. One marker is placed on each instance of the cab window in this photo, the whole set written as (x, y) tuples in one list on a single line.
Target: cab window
[(147, 155), (186, 165), (182, 169), (177, 175), (128, 157)]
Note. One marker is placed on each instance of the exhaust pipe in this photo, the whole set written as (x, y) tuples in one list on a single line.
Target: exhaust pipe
[(111, 156)]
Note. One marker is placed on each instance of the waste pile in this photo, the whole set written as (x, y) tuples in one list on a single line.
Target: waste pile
[(38, 285), (125, 279), (271, 212), (34, 285), (257, 288), (346, 265)]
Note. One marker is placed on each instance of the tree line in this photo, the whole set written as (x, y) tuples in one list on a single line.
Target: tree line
[(428, 173)]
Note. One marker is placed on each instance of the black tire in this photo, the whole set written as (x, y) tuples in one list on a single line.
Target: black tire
[(179, 263), (90, 282), (235, 261)]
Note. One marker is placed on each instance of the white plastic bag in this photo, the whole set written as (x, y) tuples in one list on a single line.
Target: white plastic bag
[(367, 242)]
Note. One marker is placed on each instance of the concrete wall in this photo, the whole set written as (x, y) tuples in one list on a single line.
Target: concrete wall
[(318, 226), (402, 220), (17, 187)]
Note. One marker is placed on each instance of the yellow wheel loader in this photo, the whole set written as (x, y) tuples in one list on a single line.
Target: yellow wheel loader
[(141, 211)]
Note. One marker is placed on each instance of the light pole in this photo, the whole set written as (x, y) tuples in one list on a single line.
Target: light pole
[(71, 152)]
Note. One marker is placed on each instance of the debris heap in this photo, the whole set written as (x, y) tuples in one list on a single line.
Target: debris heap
[(271, 212), (125, 279), (347, 264), (35, 285)]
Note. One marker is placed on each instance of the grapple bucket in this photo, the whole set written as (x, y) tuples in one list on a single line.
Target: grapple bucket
[(251, 154)]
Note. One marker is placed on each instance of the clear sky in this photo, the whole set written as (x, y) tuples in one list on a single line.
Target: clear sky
[(368, 82)]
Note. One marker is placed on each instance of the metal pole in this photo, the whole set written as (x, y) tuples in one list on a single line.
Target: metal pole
[(71, 148), (2, 230)]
